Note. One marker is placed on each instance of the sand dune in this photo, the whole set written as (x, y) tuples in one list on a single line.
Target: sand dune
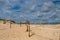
[(38, 32)]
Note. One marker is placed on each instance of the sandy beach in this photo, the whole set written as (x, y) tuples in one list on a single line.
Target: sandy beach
[(37, 32)]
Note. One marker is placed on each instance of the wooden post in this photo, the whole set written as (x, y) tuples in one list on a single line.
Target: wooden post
[(28, 28), (20, 24), (27, 24), (10, 24), (4, 22)]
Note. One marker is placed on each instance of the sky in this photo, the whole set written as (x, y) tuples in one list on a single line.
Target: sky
[(36, 11)]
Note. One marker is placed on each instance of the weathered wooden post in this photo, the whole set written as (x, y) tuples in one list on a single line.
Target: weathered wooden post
[(20, 24), (10, 24), (27, 25), (28, 28), (4, 21)]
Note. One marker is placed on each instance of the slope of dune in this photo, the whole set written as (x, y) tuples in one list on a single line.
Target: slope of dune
[(38, 32)]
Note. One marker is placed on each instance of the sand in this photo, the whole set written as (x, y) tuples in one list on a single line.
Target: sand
[(38, 32)]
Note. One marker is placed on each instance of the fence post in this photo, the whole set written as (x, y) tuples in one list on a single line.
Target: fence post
[(28, 28), (10, 24), (20, 24)]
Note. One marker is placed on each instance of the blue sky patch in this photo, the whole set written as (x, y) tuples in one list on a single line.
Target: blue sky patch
[(36, 11)]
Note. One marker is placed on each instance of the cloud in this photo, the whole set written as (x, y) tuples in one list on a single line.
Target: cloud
[(36, 11)]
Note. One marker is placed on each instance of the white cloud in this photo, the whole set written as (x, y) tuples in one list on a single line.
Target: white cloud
[(46, 9)]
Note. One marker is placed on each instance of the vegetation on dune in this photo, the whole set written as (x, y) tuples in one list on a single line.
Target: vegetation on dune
[(7, 20), (1, 18), (22, 22), (13, 21)]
